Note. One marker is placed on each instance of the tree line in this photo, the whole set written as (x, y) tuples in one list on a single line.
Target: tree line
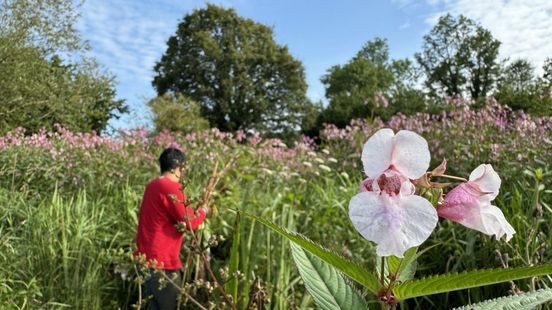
[(226, 71), (45, 77)]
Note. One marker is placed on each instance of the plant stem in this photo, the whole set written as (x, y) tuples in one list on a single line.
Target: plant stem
[(451, 177), (382, 278), (183, 292), (208, 267)]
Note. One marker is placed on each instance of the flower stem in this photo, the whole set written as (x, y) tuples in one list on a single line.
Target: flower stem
[(382, 278), (451, 177)]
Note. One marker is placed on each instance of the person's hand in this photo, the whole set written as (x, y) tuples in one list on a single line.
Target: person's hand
[(207, 210)]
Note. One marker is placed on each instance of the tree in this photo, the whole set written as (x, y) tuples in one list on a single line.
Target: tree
[(45, 24), (233, 68), (459, 57), (371, 84), (177, 113), (547, 69), (37, 92), (520, 89), (38, 88), (518, 76), (404, 95), (352, 89)]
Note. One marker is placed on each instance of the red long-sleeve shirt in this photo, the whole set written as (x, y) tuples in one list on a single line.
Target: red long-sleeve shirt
[(163, 205)]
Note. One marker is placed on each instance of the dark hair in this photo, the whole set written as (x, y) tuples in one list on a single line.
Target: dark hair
[(170, 159)]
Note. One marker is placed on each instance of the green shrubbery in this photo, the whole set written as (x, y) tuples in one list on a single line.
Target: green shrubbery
[(68, 205)]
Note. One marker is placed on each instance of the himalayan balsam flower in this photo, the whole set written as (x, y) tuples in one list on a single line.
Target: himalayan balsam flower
[(470, 204), (386, 210)]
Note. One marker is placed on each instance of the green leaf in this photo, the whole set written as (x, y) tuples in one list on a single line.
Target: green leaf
[(325, 284), (455, 281), (406, 267), (403, 267), (233, 265), (349, 268), (525, 301)]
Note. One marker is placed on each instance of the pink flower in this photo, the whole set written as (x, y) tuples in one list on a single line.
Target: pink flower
[(386, 211), (470, 204), (406, 153), (240, 135)]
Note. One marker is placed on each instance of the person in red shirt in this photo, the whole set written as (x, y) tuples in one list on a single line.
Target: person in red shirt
[(163, 206)]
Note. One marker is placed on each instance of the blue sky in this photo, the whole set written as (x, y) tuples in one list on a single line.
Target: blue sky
[(128, 36)]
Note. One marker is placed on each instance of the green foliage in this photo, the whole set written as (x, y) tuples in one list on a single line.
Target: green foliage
[(233, 67), (352, 88), (55, 251), (349, 268), (369, 85), (232, 286), (284, 185), (518, 75), (176, 113), (404, 268), (521, 90), (527, 301), (458, 281), (404, 95), (326, 286), (38, 88), (46, 24), (459, 57), (547, 68)]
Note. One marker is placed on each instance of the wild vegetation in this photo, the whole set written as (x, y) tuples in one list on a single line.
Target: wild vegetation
[(267, 160), (70, 201)]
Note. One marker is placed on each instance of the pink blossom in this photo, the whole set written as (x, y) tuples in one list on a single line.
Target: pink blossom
[(240, 135), (386, 211), (394, 223), (470, 204), (406, 152), (381, 100)]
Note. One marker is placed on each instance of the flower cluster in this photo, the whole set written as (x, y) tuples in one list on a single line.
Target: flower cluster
[(466, 135), (387, 210), (70, 160)]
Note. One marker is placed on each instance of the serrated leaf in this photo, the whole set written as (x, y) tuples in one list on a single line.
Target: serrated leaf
[(455, 281), (525, 301), (347, 267), (328, 288)]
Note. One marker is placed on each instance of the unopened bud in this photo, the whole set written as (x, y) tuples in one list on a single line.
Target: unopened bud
[(538, 212)]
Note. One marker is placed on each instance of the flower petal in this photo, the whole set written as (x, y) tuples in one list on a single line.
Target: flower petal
[(462, 206), (495, 223), (487, 180), (410, 154), (395, 224), (376, 153)]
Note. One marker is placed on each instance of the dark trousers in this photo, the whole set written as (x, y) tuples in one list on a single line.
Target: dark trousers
[(164, 288)]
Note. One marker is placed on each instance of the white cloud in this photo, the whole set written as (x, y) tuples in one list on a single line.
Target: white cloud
[(405, 25), (523, 26), (128, 37)]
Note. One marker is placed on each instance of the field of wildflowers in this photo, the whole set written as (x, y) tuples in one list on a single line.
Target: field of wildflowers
[(69, 202)]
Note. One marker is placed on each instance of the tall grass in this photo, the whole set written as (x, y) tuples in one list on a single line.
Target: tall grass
[(56, 252), (68, 222), (66, 251)]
